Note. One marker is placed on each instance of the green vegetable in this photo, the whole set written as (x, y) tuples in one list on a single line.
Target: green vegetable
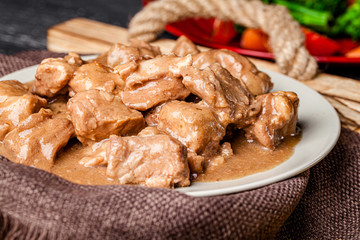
[(333, 7), (349, 22), (315, 19), (239, 29)]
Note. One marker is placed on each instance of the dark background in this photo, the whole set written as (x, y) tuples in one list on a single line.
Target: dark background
[(23, 23)]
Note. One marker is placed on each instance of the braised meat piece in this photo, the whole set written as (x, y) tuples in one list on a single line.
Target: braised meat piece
[(221, 91), (97, 114), (276, 120), (184, 46), (95, 154), (155, 81), (154, 93), (53, 74), (155, 161), (239, 66), (121, 54), (151, 116), (16, 104), (74, 59), (37, 139), (194, 125), (146, 50), (95, 76)]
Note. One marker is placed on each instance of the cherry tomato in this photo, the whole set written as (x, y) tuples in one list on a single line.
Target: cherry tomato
[(223, 31)]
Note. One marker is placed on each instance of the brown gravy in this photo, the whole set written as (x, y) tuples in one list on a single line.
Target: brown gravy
[(248, 158)]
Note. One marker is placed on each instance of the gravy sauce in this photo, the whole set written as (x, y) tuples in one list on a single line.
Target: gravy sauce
[(248, 158)]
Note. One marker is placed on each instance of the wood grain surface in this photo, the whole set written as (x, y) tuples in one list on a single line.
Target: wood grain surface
[(91, 37)]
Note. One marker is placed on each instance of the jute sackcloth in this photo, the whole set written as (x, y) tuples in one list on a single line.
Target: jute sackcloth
[(322, 203)]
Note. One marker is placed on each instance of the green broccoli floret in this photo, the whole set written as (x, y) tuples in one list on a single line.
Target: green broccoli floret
[(315, 19), (335, 7), (349, 22)]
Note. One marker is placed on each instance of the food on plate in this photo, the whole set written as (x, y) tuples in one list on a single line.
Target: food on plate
[(136, 116)]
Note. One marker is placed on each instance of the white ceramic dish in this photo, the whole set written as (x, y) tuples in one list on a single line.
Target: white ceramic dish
[(320, 131)]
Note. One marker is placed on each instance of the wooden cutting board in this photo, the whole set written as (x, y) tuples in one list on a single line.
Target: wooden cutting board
[(91, 37)]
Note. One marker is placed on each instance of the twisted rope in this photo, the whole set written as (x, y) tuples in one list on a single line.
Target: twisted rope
[(286, 38)]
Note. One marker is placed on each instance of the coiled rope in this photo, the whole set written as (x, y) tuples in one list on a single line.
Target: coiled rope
[(286, 38)]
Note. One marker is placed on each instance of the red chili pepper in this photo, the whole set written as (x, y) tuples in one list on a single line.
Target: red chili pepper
[(223, 31), (319, 45), (345, 45)]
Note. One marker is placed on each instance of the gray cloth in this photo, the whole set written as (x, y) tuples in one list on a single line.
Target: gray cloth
[(322, 203)]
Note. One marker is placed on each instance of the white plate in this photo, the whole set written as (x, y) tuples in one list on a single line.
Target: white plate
[(320, 131)]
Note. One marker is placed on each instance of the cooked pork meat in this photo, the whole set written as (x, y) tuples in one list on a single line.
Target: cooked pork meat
[(184, 46), (276, 120), (95, 154), (37, 139), (151, 116), (155, 161), (192, 103), (194, 125), (147, 50), (121, 54), (95, 76), (16, 104), (4, 129), (74, 59), (97, 114), (156, 81), (225, 152), (53, 74), (240, 67), (154, 93), (221, 91), (150, 131)]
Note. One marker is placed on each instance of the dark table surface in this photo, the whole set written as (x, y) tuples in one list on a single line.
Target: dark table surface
[(23, 23)]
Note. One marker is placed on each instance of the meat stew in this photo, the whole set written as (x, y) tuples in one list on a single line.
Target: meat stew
[(136, 116)]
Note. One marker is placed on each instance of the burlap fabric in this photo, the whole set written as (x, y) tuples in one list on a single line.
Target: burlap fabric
[(322, 203)]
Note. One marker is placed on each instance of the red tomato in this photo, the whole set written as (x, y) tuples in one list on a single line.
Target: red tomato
[(345, 45), (223, 31), (319, 45)]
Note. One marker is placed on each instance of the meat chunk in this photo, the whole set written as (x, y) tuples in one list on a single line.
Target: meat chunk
[(121, 54), (196, 127), (53, 74), (150, 131), (95, 76), (151, 116), (276, 120), (155, 161), (155, 81), (184, 46), (155, 92), (147, 51), (16, 104), (97, 114), (239, 66), (37, 139), (221, 91), (74, 59), (95, 154)]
